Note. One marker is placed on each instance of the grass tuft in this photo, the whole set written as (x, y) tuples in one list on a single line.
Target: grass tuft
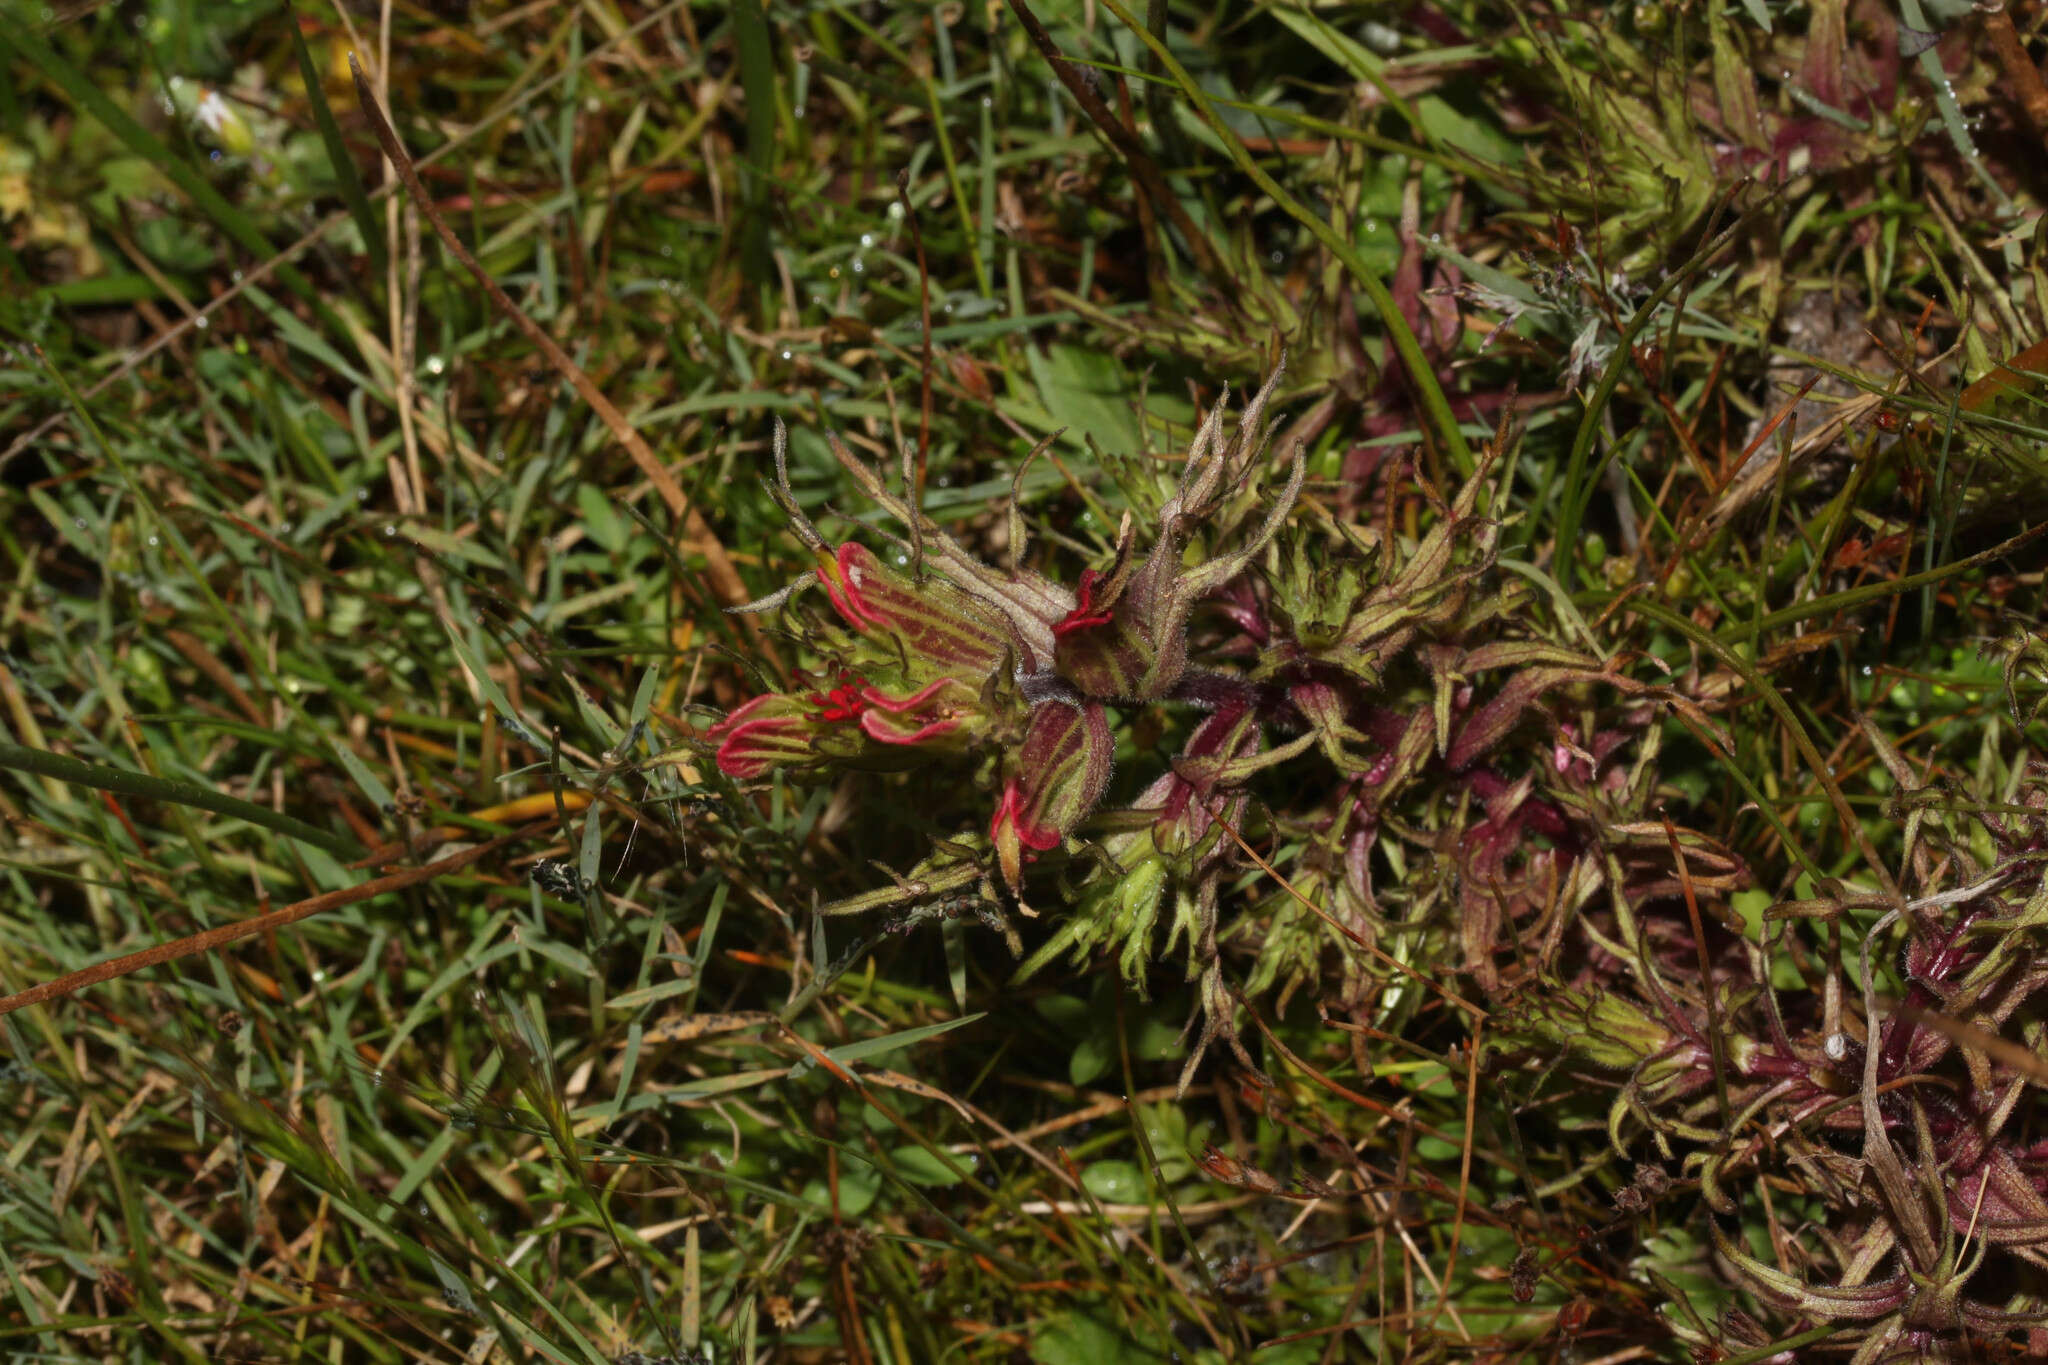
[(1388, 709)]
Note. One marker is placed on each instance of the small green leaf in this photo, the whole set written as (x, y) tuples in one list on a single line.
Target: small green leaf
[(858, 1186), (920, 1167), (1751, 906), (954, 935), (1156, 1038), (1067, 1013), (1467, 134), (643, 696), (1115, 1182), (1074, 1339), (589, 857), (1088, 1061), (601, 521), (1085, 392)]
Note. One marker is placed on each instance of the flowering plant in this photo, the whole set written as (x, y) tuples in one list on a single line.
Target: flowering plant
[(954, 654), (1296, 644)]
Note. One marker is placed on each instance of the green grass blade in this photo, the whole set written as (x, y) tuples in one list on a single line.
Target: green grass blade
[(757, 82), (125, 782), (345, 173)]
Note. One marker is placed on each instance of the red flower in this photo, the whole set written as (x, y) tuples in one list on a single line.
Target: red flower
[(1055, 778), (940, 646), (834, 724), (1085, 613), (769, 730), (923, 715), (939, 627)]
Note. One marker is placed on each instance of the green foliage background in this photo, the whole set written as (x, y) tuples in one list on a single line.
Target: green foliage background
[(313, 569)]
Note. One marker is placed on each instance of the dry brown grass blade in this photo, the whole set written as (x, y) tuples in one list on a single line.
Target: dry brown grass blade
[(194, 944), (2014, 376), (1472, 1052), (724, 575), (1754, 477)]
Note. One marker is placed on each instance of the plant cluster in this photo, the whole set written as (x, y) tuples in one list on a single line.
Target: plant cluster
[(1521, 840)]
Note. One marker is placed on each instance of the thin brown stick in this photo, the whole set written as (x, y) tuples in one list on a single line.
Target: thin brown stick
[(1148, 221), (2020, 71), (1147, 171), (725, 577), (1967, 1035), (1464, 1163), (211, 939), (206, 661), (1699, 943)]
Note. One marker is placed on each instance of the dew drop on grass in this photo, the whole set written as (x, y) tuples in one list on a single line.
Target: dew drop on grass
[(867, 239), (857, 266)]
